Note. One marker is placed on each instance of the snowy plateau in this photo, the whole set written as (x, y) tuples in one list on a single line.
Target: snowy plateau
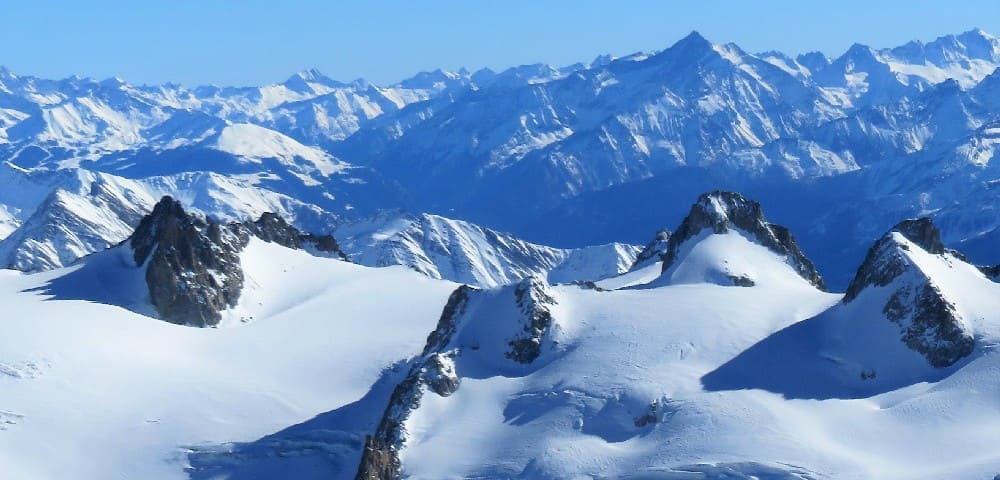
[(695, 263)]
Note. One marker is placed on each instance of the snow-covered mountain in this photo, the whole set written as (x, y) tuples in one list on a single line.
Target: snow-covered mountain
[(321, 368), (462, 252), (57, 217), (708, 380), (558, 155), (713, 352)]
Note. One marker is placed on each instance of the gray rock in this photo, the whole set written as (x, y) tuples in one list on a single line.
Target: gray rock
[(534, 300), (929, 324), (193, 269), (884, 262), (653, 251), (991, 272), (192, 265), (721, 212)]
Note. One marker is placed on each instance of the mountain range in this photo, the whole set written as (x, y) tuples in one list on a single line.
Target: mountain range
[(592, 153), (543, 272)]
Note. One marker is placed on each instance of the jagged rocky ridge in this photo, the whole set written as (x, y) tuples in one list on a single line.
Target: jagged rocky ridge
[(929, 322), (192, 264), (438, 367), (721, 212)]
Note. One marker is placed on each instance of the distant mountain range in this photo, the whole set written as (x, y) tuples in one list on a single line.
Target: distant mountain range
[(595, 153)]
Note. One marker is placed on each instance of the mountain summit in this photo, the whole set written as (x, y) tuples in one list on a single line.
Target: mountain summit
[(727, 214)]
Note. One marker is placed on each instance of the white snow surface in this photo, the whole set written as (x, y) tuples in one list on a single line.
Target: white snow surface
[(662, 354), (95, 391), (463, 252)]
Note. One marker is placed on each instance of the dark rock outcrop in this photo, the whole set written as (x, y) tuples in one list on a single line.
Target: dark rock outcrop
[(721, 212), (533, 300), (929, 324), (436, 369), (272, 228), (653, 251), (192, 264), (923, 232), (885, 261)]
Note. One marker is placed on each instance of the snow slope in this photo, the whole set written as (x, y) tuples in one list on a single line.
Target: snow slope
[(663, 411), (463, 252), (94, 391)]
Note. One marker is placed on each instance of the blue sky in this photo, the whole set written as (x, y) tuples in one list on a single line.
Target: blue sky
[(253, 42)]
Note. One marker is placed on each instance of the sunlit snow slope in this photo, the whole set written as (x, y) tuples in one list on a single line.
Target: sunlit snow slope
[(94, 391)]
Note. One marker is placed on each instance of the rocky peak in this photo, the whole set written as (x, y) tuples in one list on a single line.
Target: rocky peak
[(923, 232), (192, 265), (436, 369), (272, 228), (929, 323), (886, 259), (653, 251), (722, 212)]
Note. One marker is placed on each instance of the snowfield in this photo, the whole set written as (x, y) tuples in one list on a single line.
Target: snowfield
[(95, 391)]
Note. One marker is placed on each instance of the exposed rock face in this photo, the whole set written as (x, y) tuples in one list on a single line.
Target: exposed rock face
[(721, 212), (923, 232), (272, 228), (534, 301), (885, 259), (436, 370), (653, 251), (193, 266), (928, 322), (992, 272)]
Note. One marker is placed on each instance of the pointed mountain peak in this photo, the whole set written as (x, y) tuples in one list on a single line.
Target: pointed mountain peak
[(693, 40), (689, 49), (192, 264), (860, 52), (887, 258), (721, 212), (300, 80), (910, 295), (311, 75), (975, 33), (923, 232)]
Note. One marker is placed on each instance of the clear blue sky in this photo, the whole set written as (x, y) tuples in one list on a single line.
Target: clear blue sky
[(253, 42)]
